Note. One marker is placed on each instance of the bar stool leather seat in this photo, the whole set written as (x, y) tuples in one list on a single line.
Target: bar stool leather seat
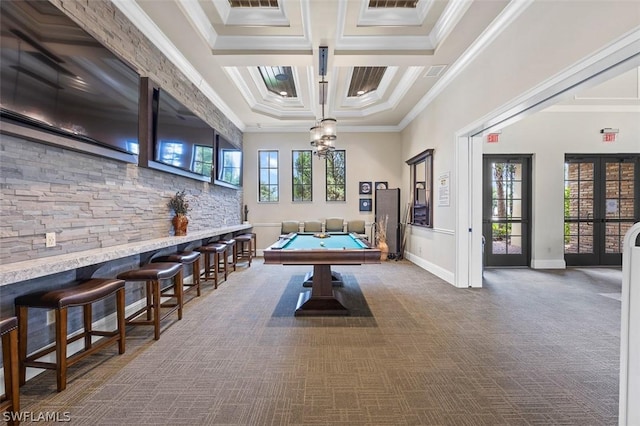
[(185, 258), (83, 294), (217, 251), (232, 251), (153, 274), (245, 248)]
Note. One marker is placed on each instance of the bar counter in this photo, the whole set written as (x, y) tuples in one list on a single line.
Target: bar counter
[(34, 268)]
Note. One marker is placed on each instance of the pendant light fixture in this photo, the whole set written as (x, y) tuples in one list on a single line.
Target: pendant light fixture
[(323, 133)]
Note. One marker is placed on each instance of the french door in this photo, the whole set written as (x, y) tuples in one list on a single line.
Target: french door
[(506, 210), (600, 205)]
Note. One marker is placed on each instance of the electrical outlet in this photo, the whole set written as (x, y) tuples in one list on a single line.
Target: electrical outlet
[(51, 316), (50, 239)]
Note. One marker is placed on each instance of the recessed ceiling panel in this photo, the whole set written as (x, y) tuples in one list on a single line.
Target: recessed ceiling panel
[(365, 80), (253, 3), (393, 3), (279, 80)]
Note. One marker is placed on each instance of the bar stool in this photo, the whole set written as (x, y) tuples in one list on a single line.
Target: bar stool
[(153, 274), (83, 294), (254, 242), (185, 258), (232, 251), (217, 250), (11, 400), (244, 248)]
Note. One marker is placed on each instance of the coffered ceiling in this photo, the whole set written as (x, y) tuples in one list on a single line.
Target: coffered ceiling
[(258, 60), (394, 52)]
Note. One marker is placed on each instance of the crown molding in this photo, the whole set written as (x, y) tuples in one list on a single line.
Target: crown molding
[(506, 17)]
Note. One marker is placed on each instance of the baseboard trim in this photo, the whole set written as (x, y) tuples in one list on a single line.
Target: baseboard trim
[(436, 270), (548, 264)]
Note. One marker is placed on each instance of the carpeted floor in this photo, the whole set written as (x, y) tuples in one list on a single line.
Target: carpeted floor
[(532, 347)]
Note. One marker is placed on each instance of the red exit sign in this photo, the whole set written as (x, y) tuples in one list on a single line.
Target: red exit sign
[(609, 137), (493, 137)]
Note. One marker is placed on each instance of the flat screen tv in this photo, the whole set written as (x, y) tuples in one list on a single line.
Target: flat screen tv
[(56, 79), (228, 163), (182, 140)]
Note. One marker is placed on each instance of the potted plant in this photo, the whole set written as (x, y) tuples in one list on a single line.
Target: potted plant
[(179, 204), (381, 237)]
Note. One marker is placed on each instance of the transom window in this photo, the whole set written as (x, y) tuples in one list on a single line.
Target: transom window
[(302, 178), (336, 167), (268, 185)]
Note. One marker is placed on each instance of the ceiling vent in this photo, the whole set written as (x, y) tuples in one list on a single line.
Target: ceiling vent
[(435, 71)]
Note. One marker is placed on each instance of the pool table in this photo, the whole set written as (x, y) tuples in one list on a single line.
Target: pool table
[(321, 250)]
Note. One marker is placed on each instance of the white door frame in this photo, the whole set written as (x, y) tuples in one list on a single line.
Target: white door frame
[(620, 56)]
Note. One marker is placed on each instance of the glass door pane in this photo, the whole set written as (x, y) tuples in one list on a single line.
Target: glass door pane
[(505, 211), (579, 207), (601, 204)]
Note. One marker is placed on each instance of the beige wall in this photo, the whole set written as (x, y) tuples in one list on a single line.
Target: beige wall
[(547, 38), (370, 157)]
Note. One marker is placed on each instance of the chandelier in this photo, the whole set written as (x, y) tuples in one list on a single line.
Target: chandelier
[(323, 133)]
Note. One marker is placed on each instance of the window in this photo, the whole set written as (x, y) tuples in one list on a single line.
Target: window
[(171, 153), (268, 190), (302, 168), (203, 160), (232, 166), (422, 183), (336, 175)]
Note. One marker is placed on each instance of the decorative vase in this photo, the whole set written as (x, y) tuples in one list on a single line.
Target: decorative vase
[(384, 250), (180, 223)]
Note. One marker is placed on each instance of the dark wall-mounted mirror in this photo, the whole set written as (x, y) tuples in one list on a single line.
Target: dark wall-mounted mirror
[(421, 172)]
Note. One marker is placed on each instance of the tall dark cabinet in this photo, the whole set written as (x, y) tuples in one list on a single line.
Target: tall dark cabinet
[(388, 203)]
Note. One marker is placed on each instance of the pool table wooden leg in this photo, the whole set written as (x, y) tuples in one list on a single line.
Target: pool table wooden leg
[(321, 300)]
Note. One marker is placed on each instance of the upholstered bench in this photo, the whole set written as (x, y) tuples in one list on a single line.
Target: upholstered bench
[(153, 274), (185, 258), (11, 400), (83, 294), (215, 252)]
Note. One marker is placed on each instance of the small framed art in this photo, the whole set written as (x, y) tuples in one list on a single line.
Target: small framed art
[(365, 204), (382, 185), (365, 188)]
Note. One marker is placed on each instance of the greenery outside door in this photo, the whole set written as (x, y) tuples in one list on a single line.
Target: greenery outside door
[(506, 210)]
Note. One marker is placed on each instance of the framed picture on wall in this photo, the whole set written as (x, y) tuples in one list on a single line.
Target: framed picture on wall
[(382, 185), (365, 204), (365, 188)]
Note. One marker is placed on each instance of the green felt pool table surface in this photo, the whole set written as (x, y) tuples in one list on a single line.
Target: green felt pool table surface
[(333, 241)]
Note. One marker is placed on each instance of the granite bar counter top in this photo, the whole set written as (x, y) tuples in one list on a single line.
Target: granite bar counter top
[(21, 271)]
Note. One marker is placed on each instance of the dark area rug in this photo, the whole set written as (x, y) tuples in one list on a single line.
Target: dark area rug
[(350, 294)]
